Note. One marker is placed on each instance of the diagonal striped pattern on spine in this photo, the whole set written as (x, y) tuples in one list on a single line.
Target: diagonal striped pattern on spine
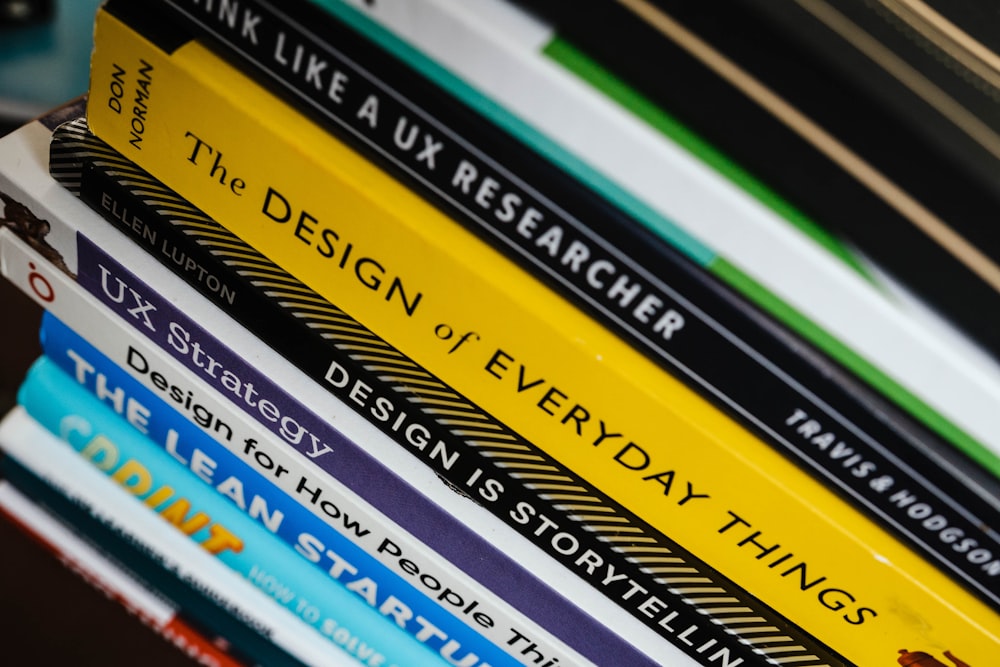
[(671, 567)]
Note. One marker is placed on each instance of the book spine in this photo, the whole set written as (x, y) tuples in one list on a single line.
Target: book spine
[(214, 595), (577, 217), (343, 555), (521, 572), (603, 382), (102, 572), (638, 157), (610, 576), (357, 620), (693, 327)]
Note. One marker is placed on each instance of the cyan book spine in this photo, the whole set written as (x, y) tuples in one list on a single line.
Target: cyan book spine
[(332, 552), (107, 441)]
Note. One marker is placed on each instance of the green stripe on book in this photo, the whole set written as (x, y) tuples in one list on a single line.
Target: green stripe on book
[(576, 62), (855, 363)]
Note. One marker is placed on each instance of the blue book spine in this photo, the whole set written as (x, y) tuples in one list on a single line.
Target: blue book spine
[(333, 553), (352, 621)]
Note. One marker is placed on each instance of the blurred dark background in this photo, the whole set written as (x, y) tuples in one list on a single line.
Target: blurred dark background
[(49, 615)]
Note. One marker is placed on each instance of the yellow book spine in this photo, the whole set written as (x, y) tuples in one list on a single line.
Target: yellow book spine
[(522, 353)]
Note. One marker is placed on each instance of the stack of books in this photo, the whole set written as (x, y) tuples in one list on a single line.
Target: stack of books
[(408, 333)]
